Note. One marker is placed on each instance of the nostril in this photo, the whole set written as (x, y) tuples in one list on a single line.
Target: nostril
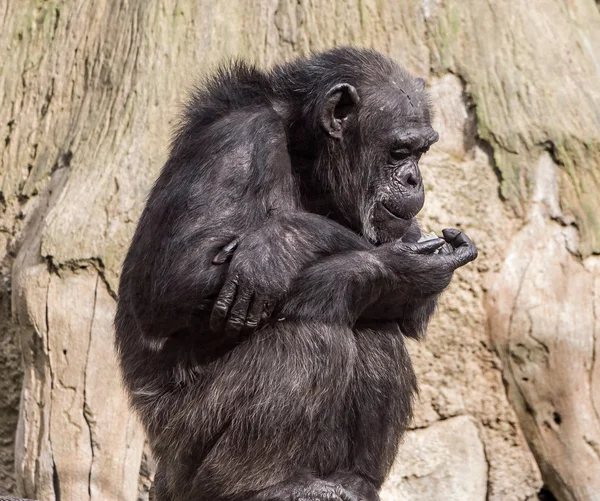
[(412, 180)]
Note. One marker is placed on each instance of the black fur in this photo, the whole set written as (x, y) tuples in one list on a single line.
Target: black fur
[(272, 276)]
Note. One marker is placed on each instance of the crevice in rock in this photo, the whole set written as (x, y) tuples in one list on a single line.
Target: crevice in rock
[(87, 412), (487, 148), (595, 301), (488, 485), (55, 482), (546, 495), (440, 420), (79, 264), (507, 356), (55, 479)]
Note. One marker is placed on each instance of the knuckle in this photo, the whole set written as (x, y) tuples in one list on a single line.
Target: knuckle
[(251, 324), (232, 283), (221, 306), (235, 323), (218, 313), (238, 311)]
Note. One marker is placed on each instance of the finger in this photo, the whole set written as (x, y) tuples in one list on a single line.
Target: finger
[(254, 315), (226, 252), (446, 249), (466, 252), (463, 249), (450, 234), (222, 257), (427, 246), (462, 240), (223, 304), (237, 315), (267, 312)]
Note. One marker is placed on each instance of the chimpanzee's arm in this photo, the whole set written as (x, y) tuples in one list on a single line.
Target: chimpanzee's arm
[(322, 239), (341, 288), (226, 180), (412, 311)]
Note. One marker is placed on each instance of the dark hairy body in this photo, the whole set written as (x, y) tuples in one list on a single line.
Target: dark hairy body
[(273, 277)]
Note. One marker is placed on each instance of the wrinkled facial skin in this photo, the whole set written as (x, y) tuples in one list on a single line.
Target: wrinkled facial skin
[(395, 192)]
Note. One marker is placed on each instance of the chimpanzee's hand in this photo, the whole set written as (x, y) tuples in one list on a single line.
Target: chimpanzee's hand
[(430, 272), (458, 247), (262, 268)]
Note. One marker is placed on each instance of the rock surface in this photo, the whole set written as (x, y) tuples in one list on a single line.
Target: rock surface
[(443, 462), (88, 97)]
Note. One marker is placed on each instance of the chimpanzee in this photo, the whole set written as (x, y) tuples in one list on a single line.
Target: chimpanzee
[(273, 276)]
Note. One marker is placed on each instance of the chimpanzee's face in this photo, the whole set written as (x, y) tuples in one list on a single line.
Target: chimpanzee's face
[(377, 135), (396, 131)]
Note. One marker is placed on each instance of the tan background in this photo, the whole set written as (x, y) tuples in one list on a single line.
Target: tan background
[(89, 92)]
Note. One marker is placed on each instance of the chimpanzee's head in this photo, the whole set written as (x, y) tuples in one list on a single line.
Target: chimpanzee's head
[(375, 119)]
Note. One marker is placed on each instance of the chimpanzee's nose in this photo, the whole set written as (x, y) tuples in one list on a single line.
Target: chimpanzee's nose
[(409, 176), (412, 180)]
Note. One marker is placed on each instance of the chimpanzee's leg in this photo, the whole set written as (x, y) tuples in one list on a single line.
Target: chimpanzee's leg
[(383, 390), (314, 392), (160, 490), (279, 409)]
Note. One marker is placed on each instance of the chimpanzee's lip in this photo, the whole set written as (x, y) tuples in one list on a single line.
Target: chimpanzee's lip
[(397, 216)]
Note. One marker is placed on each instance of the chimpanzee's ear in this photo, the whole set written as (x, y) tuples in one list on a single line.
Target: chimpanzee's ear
[(340, 103)]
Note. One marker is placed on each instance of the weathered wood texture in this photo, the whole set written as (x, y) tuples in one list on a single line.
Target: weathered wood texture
[(88, 95), (3, 498)]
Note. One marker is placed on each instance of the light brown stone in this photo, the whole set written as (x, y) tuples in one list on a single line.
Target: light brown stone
[(89, 94), (444, 462)]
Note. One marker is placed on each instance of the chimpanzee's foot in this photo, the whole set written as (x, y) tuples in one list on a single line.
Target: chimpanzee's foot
[(307, 490), (322, 490), (360, 487), (159, 491)]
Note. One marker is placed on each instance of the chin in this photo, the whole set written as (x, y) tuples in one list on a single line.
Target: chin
[(384, 227)]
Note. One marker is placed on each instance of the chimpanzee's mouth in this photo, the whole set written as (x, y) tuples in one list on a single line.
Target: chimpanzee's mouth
[(395, 214)]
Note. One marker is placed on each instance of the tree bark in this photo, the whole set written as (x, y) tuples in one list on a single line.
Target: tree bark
[(89, 92)]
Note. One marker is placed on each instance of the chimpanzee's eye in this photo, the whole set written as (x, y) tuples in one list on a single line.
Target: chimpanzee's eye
[(398, 154)]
